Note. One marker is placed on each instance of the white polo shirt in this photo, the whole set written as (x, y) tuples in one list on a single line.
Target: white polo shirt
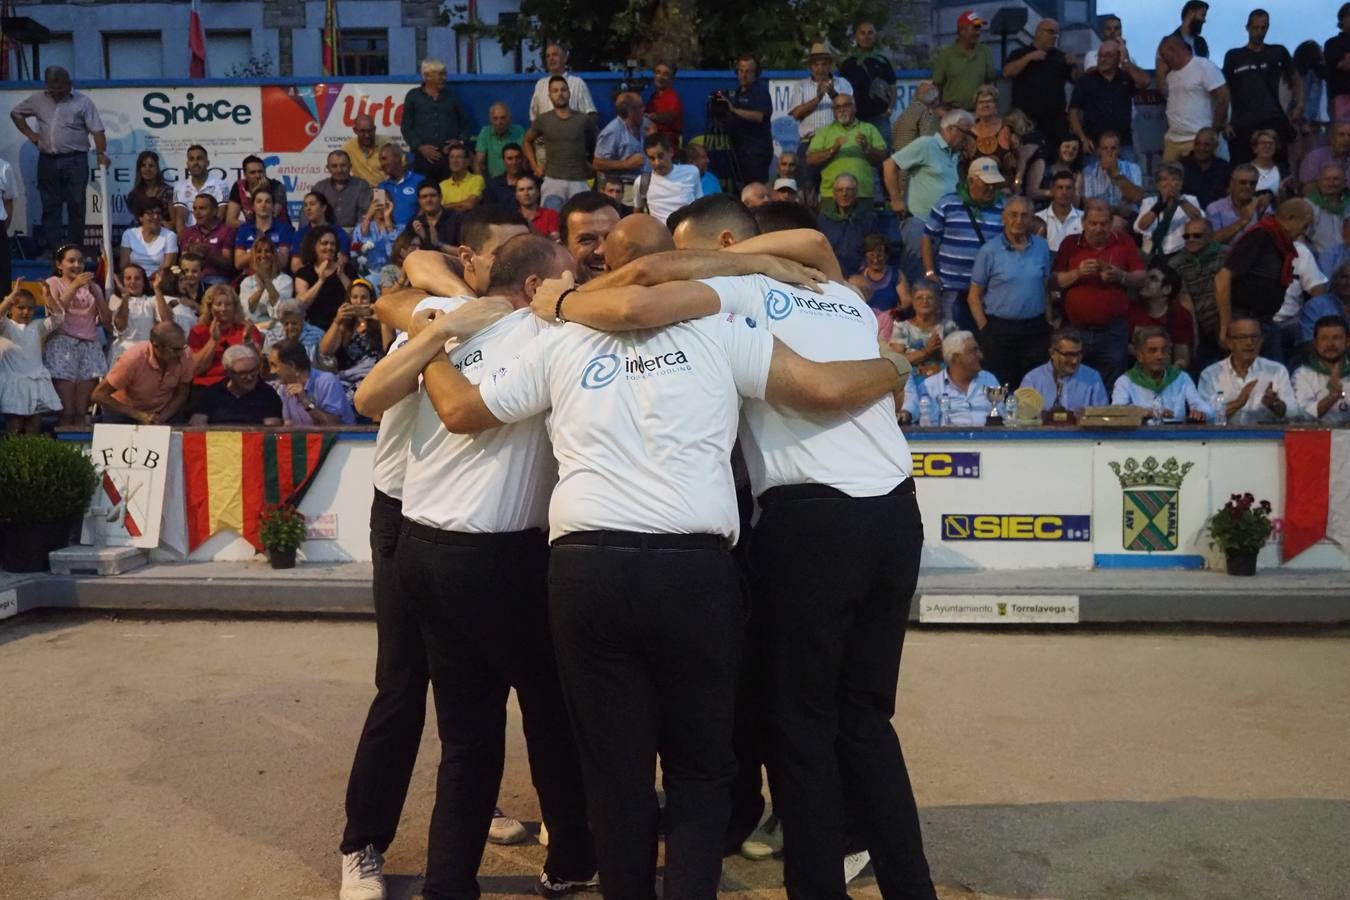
[(391, 441), (1055, 230), (667, 193), (643, 422), (1189, 105), (488, 483), (184, 192), (862, 452)]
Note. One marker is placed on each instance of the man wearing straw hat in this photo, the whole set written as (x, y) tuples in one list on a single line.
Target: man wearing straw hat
[(812, 105)]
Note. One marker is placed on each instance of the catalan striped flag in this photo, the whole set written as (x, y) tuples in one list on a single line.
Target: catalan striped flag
[(229, 476)]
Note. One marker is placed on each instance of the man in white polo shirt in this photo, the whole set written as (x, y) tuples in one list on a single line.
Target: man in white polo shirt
[(643, 595), (829, 487)]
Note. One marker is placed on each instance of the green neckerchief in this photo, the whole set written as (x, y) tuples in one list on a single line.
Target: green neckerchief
[(1339, 206), (963, 192), (1317, 365), (1157, 386)]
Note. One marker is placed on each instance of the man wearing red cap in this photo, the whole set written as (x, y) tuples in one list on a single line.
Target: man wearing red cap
[(961, 68)]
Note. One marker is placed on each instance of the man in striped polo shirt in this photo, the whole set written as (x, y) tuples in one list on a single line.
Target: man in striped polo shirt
[(959, 225)]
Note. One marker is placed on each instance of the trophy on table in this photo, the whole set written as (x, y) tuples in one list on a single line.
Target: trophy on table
[(1057, 414), (997, 396)]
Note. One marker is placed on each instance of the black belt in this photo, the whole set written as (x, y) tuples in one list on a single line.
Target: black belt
[(1029, 320), (469, 538), (786, 493), (67, 153), (636, 540)]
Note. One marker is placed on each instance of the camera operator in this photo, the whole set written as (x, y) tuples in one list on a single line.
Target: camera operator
[(746, 112)]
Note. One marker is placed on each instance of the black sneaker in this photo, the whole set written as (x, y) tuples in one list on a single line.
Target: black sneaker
[(548, 886)]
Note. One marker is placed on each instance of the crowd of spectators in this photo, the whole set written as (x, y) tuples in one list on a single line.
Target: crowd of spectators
[(985, 235)]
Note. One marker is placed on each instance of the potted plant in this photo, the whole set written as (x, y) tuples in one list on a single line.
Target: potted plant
[(1240, 530), (281, 528), (45, 488)]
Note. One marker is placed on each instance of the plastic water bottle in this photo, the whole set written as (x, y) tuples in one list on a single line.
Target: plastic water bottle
[(944, 410), (1157, 417), (1010, 409), (1220, 409), (925, 411)]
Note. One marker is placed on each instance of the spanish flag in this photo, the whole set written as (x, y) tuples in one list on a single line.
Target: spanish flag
[(229, 476)]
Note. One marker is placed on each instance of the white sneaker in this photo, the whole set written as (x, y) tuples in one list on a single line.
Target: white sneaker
[(362, 875), (506, 830), (543, 835), (766, 840), (854, 863)]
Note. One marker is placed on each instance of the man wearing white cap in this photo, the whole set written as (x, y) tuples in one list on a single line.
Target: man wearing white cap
[(812, 100), (785, 189), (959, 225)]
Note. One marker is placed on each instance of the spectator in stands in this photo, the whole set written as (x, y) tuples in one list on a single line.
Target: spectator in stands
[(1064, 382), (1163, 216), (919, 338), (266, 225), (1112, 31), (1103, 100), (1061, 218), (374, 236), (501, 189), (748, 112), (1331, 204), (1093, 271), (349, 197), (493, 138), (1265, 147), (432, 118), (756, 193), (9, 192), (240, 208), (1040, 177), (1336, 150), (321, 284), (1312, 70), (198, 179), (66, 121), (569, 140), (960, 69), (262, 291), (920, 118), (846, 222), (461, 190), (1254, 73), (239, 396), (787, 168), (150, 186), (542, 219), (989, 136), (184, 289), (959, 225), (786, 189), (308, 395), (1260, 268), (1153, 377), (134, 312), (579, 95), (1197, 97), (25, 384), (1193, 14), (919, 175), (289, 323), (363, 150), (1335, 53), (846, 146), (1207, 175), (880, 282), (223, 325), (150, 245), (697, 156), (1319, 384), (1007, 296), (618, 147), (668, 186), (74, 353), (399, 185), (665, 110), (149, 384), (1335, 256), (1238, 213), (1308, 285), (1040, 74), (315, 213), (963, 383), (1254, 390), (1335, 302), (392, 275), (1158, 305), (587, 220), (612, 186), (810, 104), (1199, 261), (872, 76), (1117, 181), (211, 239), (436, 227), (355, 341)]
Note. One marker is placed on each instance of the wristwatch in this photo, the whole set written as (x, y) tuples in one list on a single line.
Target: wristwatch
[(309, 405)]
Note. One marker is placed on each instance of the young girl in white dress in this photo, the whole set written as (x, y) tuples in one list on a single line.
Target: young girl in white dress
[(25, 384), (134, 312)]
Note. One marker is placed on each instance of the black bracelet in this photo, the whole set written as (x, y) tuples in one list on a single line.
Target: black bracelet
[(557, 307)]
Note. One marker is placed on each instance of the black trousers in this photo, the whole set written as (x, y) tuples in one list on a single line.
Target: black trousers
[(385, 755), (62, 179), (834, 578), (480, 602), (648, 634), (1013, 347)]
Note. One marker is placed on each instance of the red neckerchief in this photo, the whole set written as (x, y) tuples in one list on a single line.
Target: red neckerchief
[(1282, 242)]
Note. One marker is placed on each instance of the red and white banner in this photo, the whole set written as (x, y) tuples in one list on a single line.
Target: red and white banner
[(1317, 492)]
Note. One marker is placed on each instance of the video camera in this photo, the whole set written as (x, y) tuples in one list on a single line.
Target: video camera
[(719, 106)]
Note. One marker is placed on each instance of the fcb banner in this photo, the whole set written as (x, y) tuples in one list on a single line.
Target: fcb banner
[(229, 476)]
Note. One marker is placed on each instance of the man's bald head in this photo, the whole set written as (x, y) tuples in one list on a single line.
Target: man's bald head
[(167, 331), (636, 236)]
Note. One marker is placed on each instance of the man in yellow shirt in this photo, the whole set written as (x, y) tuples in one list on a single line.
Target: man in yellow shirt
[(364, 150), (463, 189)]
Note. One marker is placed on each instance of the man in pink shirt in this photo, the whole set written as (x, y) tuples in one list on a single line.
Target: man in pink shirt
[(149, 383)]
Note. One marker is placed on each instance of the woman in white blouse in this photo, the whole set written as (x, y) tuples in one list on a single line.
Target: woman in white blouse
[(266, 287), (150, 246)]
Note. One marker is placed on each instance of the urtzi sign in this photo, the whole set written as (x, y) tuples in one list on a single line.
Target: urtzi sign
[(128, 504)]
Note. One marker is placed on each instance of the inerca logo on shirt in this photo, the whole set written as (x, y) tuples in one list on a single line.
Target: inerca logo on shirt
[(778, 305), (603, 369), (472, 359)]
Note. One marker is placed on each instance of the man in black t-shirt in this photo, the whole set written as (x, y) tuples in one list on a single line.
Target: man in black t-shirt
[(1103, 100), (1207, 174), (1335, 51), (873, 79), (1253, 74), (1259, 269), (1038, 74), (241, 398)]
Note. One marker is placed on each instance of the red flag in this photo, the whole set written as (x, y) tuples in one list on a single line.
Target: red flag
[(196, 44), (331, 63), (1307, 467)]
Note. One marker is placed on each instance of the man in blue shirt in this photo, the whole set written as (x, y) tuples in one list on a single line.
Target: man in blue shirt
[(1064, 381), (917, 176), (1007, 295), (309, 396), (747, 124), (1153, 377), (401, 185), (958, 226), (964, 384)]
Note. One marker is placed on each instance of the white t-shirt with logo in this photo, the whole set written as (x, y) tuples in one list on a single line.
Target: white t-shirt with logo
[(185, 192), (1189, 106), (643, 421), (391, 441), (488, 483), (667, 193), (862, 453)]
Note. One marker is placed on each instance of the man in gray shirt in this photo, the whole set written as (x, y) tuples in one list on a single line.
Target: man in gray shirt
[(569, 141), (349, 197), (66, 120)]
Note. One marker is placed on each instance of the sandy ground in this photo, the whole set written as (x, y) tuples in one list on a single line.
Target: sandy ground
[(183, 759)]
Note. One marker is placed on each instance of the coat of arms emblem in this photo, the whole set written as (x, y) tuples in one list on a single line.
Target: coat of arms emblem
[(1151, 502)]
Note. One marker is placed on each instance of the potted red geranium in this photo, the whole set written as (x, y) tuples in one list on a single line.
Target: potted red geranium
[(1240, 530), (281, 527)]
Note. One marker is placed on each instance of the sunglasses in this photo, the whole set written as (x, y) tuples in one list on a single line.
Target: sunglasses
[(1194, 237)]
